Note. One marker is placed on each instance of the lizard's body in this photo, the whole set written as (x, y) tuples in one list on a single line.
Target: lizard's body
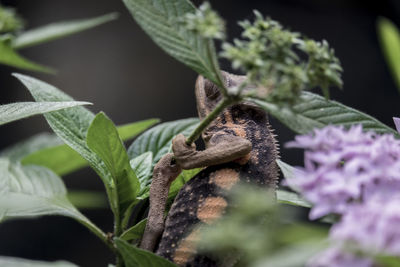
[(241, 127)]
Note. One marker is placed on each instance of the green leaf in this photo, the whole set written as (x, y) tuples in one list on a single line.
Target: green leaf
[(58, 30), (387, 261), (17, 111), (291, 198), (142, 166), (37, 142), (103, 139), (291, 256), (389, 37), (161, 20), (11, 58), (131, 130), (70, 125), (135, 232), (18, 262), (40, 190), (313, 111), (287, 171), (136, 257), (158, 139), (31, 191), (88, 199), (63, 160)]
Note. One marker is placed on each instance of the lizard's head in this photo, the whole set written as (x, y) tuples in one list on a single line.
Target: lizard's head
[(208, 94)]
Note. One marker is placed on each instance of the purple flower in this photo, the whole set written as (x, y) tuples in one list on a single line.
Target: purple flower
[(366, 230), (345, 166), (397, 123), (373, 226), (338, 257)]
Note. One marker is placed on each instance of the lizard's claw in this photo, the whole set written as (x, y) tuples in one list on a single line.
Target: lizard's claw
[(182, 152)]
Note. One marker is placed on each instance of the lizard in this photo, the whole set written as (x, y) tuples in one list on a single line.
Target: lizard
[(240, 146)]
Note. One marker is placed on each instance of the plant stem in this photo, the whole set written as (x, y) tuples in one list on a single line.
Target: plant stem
[(226, 101), (99, 233), (119, 262), (215, 67)]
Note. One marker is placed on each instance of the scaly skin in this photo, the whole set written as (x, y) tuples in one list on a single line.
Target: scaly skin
[(241, 147), (165, 172)]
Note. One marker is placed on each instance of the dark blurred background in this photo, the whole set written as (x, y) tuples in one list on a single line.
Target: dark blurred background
[(119, 69)]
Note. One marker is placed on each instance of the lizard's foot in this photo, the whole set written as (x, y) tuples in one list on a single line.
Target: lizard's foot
[(183, 153)]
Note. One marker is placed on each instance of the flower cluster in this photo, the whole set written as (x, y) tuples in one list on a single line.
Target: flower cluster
[(205, 22), (365, 231), (9, 21), (323, 68), (269, 54), (374, 225), (335, 256), (397, 123), (345, 166), (354, 174)]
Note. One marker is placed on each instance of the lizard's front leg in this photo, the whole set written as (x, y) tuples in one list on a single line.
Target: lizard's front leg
[(165, 172), (221, 148)]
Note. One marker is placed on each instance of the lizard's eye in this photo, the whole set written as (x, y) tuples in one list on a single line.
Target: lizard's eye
[(211, 90)]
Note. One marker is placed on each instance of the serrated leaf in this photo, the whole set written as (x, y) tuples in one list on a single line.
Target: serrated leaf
[(58, 30), (63, 160), (18, 262), (136, 257), (31, 191), (37, 142), (389, 37), (135, 232), (11, 58), (70, 125), (161, 20), (21, 110), (291, 198), (158, 139), (142, 165), (313, 111), (103, 139)]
